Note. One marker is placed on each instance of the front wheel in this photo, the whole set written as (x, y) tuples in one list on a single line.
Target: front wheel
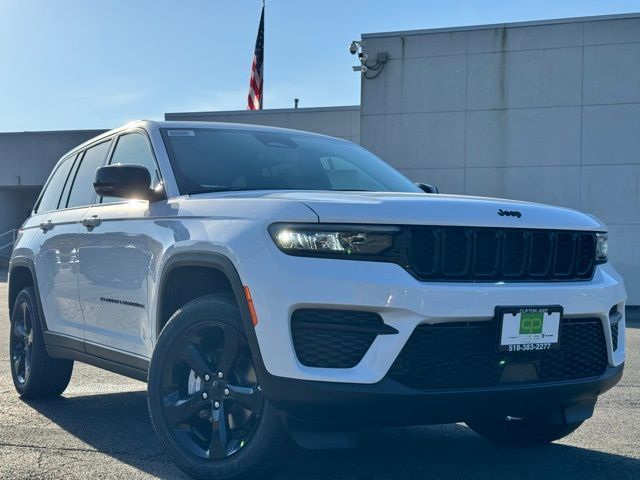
[(205, 400), (521, 432)]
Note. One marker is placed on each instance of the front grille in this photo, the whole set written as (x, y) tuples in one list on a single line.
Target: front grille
[(500, 254), (464, 355), (325, 338)]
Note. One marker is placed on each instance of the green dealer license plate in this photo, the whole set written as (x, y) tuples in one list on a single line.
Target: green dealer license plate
[(528, 329)]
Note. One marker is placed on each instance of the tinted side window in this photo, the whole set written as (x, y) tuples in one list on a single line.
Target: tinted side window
[(133, 148), (82, 192), (69, 182), (51, 194)]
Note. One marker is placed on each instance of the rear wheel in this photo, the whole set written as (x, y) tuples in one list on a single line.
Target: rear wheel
[(35, 374), (205, 400), (521, 432)]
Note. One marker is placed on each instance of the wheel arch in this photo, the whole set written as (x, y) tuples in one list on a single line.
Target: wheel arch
[(22, 274), (224, 268)]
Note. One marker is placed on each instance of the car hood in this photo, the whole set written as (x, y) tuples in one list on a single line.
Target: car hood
[(428, 209)]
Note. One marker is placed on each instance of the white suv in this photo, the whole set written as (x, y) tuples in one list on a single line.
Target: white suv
[(273, 285)]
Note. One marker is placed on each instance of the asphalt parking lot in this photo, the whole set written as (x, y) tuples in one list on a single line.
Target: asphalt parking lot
[(101, 429)]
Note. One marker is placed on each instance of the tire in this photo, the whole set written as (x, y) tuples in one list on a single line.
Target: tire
[(205, 402), (35, 374), (521, 432)]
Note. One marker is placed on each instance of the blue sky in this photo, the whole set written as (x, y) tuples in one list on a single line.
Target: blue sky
[(73, 64)]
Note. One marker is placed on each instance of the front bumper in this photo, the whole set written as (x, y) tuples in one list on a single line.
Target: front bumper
[(281, 284), (386, 403)]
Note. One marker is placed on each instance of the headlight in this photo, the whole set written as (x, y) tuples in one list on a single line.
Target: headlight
[(333, 240), (602, 247)]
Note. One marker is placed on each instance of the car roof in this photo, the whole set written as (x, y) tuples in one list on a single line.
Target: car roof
[(150, 125)]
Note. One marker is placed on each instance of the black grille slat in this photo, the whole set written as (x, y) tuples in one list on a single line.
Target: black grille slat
[(585, 258), (542, 243), (514, 253), (424, 254), (486, 253), (456, 250), (443, 357), (565, 254), (437, 253)]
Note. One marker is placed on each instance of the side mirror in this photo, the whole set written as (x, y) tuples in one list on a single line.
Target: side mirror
[(426, 188), (124, 181)]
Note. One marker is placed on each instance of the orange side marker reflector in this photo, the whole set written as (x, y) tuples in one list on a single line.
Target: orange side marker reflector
[(252, 308)]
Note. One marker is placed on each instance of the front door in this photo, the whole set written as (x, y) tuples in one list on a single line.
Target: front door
[(115, 253), (116, 248)]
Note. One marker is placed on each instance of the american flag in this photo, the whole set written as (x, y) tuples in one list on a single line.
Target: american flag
[(254, 100)]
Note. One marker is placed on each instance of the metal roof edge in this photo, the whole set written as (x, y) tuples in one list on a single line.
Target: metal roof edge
[(176, 115), (532, 23)]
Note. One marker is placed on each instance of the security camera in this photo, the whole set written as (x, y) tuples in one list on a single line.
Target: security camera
[(354, 47)]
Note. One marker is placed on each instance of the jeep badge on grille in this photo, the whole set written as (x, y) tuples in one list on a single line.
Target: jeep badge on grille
[(509, 213)]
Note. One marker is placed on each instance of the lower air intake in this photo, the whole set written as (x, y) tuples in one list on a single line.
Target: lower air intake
[(464, 355), (325, 338)]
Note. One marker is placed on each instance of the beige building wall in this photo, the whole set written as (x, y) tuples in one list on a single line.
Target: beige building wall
[(541, 111)]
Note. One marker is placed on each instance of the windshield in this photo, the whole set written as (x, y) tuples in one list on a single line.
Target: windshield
[(210, 159)]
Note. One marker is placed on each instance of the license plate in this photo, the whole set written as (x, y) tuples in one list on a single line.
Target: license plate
[(528, 329)]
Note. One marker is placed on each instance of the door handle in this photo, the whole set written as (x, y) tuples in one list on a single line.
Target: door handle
[(91, 222), (46, 226)]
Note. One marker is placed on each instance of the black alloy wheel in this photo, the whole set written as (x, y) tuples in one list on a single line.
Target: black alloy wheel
[(21, 343), (35, 374), (205, 401), (211, 398)]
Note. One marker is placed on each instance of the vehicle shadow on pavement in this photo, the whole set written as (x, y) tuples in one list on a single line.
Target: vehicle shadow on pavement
[(115, 424), (455, 452), (118, 425)]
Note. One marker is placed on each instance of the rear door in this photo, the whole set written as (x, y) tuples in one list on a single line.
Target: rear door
[(117, 247), (57, 218)]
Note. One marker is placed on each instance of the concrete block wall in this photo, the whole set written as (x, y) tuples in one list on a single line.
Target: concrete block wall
[(27, 158), (540, 111), (21, 200), (342, 122)]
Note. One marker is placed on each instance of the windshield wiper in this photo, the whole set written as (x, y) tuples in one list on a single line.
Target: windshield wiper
[(231, 189), (220, 189), (246, 189)]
